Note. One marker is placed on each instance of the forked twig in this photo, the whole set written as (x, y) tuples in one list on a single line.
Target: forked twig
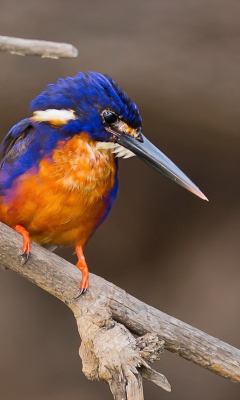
[(107, 316)]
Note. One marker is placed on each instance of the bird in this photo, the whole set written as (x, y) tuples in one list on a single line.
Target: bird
[(59, 167)]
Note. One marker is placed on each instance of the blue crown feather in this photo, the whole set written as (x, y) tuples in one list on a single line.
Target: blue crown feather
[(86, 94)]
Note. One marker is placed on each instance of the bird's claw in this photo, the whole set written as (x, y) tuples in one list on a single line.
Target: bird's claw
[(81, 291), (24, 257)]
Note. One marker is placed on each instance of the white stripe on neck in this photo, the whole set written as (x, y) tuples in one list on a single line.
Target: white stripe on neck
[(51, 115), (119, 151)]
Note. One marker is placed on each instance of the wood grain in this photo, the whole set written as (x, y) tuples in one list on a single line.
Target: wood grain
[(108, 306), (42, 48)]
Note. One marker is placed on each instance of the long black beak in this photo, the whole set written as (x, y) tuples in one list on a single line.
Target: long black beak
[(149, 153)]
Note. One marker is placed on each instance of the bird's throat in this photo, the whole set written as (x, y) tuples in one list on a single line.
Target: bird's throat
[(79, 164)]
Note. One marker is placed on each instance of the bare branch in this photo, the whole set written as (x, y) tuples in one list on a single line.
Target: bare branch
[(104, 313), (40, 48)]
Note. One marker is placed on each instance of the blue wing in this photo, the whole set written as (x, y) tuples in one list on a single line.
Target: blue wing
[(23, 147), (16, 141)]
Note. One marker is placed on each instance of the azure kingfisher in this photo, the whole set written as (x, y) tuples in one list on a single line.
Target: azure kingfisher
[(58, 169)]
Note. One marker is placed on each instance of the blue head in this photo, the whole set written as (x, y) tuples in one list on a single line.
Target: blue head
[(97, 102), (91, 103)]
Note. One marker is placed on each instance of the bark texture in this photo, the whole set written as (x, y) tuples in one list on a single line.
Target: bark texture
[(42, 48), (107, 317)]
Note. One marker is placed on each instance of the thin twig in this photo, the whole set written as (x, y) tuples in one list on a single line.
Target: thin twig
[(61, 279), (40, 48)]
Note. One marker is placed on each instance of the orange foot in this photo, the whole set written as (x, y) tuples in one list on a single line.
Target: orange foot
[(81, 264), (26, 241)]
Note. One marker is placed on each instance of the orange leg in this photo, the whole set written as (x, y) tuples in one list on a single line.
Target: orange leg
[(26, 240), (82, 265)]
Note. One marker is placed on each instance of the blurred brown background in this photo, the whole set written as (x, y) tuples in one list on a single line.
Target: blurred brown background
[(180, 61)]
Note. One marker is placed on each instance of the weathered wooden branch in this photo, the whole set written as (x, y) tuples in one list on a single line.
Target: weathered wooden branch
[(42, 48), (107, 316)]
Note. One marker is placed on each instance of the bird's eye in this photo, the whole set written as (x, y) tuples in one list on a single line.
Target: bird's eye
[(109, 117)]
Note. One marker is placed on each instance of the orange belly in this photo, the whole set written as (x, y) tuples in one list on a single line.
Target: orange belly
[(62, 200)]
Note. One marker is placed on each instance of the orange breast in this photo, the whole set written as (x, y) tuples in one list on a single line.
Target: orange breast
[(61, 201)]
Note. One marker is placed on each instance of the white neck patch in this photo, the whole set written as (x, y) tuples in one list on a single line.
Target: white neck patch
[(119, 151), (53, 116)]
